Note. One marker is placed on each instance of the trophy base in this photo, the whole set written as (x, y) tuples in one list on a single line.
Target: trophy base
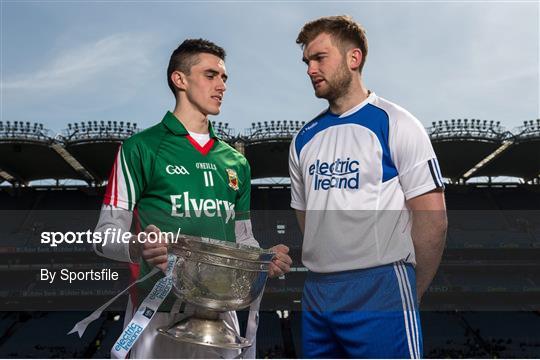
[(209, 332)]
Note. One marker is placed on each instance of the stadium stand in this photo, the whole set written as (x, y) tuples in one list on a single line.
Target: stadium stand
[(494, 330), (447, 341), (51, 328), (490, 261), (108, 335)]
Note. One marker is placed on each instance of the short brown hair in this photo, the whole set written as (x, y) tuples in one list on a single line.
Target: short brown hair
[(343, 29), (185, 56)]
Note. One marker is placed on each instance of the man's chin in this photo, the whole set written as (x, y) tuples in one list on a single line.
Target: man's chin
[(321, 94), (214, 112)]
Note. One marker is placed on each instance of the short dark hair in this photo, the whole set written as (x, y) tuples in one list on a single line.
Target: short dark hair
[(186, 55), (343, 30)]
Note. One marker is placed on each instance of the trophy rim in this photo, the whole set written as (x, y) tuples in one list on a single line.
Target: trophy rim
[(258, 265), (207, 245)]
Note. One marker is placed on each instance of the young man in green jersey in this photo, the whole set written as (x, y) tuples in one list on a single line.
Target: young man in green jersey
[(179, 174)]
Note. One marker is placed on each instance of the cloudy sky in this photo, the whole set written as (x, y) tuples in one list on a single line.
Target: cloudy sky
[(70, 61)]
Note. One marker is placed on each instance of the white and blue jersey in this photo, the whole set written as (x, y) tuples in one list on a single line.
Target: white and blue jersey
[(363, 165), (352, 174)]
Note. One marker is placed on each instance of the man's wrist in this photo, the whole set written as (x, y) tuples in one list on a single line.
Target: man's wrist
[(134, 251)]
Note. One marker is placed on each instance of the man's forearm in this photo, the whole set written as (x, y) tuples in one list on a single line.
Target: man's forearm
[(244, 233), (429, 236), (116, 219)]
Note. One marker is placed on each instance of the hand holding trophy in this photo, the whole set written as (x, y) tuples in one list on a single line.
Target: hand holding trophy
[(215, 276)]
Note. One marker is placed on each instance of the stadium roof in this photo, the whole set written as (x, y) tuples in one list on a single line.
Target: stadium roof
[(86, 151), (467, 149), (267, 147), (24, 161), (28, 153), (520, 159)]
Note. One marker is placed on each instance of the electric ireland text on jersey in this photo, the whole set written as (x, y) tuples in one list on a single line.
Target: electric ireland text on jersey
[(340, 174)]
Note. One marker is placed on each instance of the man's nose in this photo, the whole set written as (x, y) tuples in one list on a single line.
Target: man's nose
[(312, 69), (221, 85)]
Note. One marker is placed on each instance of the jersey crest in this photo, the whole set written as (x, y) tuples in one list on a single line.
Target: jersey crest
[(233, 179)]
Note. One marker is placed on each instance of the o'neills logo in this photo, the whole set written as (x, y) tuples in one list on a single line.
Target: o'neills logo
[(340, 174), (184, 206)]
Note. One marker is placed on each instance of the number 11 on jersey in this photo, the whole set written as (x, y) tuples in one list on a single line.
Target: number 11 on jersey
[(208, 178)]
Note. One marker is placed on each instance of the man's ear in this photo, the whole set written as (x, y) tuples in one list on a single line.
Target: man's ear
[(179, 79), (354, 57)]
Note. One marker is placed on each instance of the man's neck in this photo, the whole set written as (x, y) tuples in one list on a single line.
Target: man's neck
[(356, 94), (192, 119)]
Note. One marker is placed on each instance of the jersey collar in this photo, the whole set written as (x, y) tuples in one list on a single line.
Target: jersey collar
[(172, 123), (355, 108)]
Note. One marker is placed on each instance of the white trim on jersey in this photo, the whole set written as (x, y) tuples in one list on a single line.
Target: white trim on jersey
[(435, 172), (201, 139), (131, 188), (121, 181), (120, 189)]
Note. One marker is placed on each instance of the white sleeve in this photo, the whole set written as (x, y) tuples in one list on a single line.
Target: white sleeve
[(413, 155), (112, 217), (298, 200), (244, 236), (244, 233)]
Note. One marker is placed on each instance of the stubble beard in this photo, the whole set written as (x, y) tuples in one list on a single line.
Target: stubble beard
[(338, 86)]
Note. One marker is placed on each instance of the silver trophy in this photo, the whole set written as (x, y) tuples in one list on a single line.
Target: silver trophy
[(215, 276)]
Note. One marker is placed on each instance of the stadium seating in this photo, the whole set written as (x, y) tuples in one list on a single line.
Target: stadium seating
[(52, 339), (485, 225)]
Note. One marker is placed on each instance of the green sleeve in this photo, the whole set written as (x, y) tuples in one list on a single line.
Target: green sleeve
[(128, 176), (243, 200)]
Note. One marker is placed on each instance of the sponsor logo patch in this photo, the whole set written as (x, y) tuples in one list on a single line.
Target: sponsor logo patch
[(339, 174), (148, 313), (182, 205)]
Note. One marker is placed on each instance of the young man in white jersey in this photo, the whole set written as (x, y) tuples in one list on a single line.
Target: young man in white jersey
[(368, 194)]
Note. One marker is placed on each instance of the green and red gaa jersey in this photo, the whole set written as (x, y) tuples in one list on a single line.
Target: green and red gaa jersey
[(170, 181)]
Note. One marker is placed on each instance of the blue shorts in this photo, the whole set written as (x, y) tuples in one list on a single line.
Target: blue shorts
[(367, 313)]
